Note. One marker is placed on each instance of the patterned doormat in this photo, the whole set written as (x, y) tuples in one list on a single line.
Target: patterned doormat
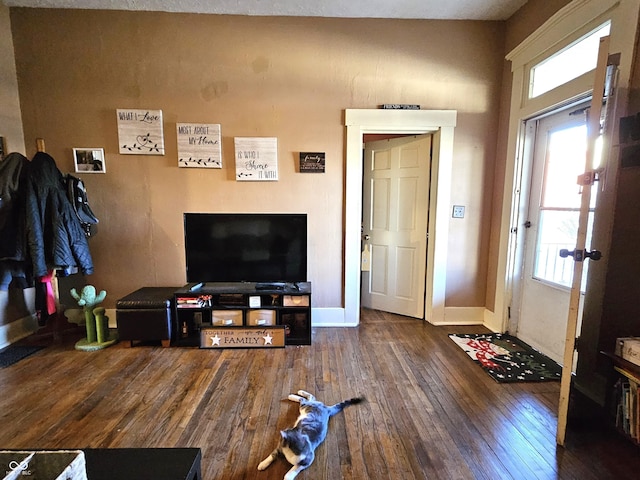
[(15, 353), (508, 359)]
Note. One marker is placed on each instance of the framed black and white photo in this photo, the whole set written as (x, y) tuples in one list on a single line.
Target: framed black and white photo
[(89, 160)]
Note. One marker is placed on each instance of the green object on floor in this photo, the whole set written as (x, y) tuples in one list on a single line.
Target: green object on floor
[(86, 346), (98, 336)]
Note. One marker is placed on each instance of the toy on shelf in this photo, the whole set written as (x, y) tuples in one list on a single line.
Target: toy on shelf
[(97, 323)]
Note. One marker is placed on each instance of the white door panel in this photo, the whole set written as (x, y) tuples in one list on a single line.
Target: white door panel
[(395, 214), (558, 158)]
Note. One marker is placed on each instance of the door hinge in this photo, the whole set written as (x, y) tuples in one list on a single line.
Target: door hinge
[(576, 344)]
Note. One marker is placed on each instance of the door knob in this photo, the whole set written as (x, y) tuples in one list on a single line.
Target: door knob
[(580, 255)]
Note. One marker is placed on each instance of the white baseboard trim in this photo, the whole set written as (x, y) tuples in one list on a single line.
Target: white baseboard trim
[(469, 316), (330, 317), (462, 316), (111, 313), (335, 317), (490, 322), (18, 329)]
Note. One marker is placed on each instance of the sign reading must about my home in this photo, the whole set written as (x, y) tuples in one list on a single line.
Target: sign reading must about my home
[(242, 337), (199, 145)]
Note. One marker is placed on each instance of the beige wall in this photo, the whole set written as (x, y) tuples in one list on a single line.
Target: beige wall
[(286, 77), (10, 119), (517, 28), (526, 20)]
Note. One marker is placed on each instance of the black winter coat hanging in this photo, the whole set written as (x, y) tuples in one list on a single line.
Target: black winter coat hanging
[(13, 171), (54, 235)]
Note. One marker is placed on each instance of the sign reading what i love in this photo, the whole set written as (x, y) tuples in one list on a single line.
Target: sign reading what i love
[(140, 132)]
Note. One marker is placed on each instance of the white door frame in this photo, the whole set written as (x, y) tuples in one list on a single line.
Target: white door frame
[(441, 124), (567, 25)]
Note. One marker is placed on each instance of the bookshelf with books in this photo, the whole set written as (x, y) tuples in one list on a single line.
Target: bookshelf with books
[(625, 397)]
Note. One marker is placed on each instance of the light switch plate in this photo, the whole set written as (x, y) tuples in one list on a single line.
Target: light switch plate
[(458, 211)]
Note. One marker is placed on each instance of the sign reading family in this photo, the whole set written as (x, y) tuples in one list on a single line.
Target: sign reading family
[(140, 132), (199, 145), (312, 162), (242, 337), (256, 158)]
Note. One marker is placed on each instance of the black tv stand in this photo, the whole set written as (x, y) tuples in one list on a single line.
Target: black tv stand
[(270, 286), (243, 304)]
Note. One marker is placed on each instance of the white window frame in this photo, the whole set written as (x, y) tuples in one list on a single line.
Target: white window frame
[(533, 77)]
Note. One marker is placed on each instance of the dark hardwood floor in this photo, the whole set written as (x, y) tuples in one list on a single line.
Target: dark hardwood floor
[(430, 412)]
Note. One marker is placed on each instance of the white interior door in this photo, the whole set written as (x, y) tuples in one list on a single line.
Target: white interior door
[(551, 225), (395, 218)]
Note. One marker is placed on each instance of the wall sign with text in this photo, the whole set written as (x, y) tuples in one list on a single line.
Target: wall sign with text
[(256, 158), (140, 132), (242, 337), (199, 145), (312, 162)]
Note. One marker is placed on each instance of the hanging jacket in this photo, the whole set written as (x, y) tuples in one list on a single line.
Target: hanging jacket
[(55, 238), (15, 268), (13, 170)]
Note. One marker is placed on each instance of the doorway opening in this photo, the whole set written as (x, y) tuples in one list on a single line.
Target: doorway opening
[(394, 220), (439, 123)]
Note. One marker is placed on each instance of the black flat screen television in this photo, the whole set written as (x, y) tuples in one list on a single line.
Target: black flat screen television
[(245, 247)]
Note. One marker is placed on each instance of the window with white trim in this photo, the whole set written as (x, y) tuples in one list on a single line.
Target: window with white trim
[(569, 63)]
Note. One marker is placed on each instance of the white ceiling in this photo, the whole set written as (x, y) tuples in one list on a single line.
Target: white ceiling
[(422, 9)]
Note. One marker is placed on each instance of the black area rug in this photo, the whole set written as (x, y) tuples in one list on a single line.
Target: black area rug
[(15, 353), (508, 359)]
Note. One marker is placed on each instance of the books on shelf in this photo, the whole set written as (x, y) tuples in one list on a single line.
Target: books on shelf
[(628, 407), (201, 301)]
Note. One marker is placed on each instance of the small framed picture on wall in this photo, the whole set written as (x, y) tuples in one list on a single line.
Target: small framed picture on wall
[(89, 160)]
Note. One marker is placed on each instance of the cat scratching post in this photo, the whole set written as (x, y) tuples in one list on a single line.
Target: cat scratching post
[(98, 335)]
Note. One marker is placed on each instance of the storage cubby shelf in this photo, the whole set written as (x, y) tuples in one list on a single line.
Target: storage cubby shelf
[(243, 305)]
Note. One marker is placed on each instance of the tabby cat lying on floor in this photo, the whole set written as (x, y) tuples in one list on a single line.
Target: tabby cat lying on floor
[(298, 444)]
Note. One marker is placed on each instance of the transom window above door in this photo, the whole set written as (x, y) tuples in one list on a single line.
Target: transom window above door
[(568, 64)]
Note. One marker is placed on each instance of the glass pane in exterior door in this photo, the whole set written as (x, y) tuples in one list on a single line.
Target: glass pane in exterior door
[(560, 205)]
